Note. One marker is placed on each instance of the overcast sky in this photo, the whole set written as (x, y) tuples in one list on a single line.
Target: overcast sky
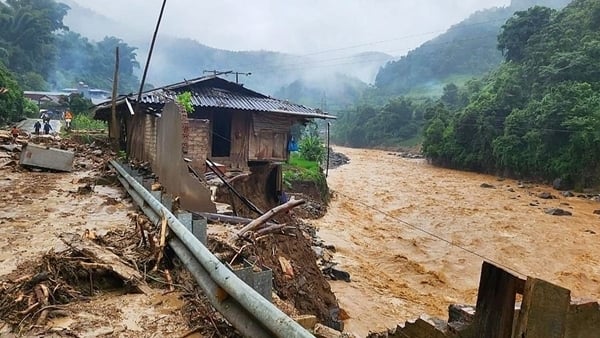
[(297, 26)]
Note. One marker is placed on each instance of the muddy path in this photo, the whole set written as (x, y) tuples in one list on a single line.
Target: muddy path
[(399, 273), (35, 208)]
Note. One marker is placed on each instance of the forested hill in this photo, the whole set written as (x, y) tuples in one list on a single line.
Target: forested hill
[(467, 49), (538, 114)]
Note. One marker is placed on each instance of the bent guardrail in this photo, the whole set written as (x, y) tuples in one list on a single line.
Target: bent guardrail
[(245, 309)]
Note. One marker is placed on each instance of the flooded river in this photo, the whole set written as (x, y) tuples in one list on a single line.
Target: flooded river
[(413, 237)]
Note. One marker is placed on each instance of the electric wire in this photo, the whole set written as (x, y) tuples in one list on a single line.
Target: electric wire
[(431, 234)]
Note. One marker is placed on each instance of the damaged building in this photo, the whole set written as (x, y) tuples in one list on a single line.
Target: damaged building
[(245, 133)]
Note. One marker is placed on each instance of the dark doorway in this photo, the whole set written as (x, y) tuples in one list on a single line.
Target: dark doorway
[(221, 134)]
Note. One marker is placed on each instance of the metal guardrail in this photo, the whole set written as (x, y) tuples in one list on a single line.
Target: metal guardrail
[(241, 305)]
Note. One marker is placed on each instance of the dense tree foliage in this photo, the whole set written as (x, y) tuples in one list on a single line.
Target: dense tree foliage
[(38, 52), (371, 125), (80, 60), (11, 97), (538, 114), (27, 30)]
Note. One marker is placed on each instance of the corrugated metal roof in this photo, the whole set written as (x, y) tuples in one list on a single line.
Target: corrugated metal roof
[(214, 92), (222, 98)]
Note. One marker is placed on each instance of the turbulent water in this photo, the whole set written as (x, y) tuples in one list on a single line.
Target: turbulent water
[(399, 273)]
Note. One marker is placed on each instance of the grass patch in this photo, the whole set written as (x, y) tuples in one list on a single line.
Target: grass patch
[(300, 169)]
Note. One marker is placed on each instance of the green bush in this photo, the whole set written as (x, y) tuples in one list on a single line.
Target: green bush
[(311, 148), (84, 122), (185, 99)]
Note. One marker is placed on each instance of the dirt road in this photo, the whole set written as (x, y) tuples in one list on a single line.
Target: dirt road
[(399, 273), (34, 209)]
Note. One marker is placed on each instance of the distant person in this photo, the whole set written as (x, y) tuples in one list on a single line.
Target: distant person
[(15, 133), (47, 128), (46, 117), (68, 119), (36, 127)]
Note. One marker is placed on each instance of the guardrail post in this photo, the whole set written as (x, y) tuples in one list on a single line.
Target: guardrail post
[(167, 201), (199, 229), (147, 183), (185, 218)]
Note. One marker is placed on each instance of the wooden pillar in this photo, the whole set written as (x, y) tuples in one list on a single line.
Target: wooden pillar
[(495, 308)]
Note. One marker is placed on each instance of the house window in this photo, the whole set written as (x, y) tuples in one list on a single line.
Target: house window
[(221, 134)]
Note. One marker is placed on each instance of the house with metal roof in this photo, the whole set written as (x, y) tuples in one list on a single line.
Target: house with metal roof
[(235, 125), (242, 130)]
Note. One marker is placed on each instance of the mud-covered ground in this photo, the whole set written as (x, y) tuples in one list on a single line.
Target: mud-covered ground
[(36, 207), (399, 273)]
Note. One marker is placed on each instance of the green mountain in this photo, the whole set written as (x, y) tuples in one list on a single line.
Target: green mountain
[(538, 114), (467, 49)]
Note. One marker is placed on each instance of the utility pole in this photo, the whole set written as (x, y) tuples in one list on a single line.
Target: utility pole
[(113, 131), (162, 10)]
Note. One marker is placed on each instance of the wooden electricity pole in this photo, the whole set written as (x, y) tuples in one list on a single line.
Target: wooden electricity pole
[(114, 125)]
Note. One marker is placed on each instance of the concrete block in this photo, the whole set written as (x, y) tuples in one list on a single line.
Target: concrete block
[(185, 218), (167, 201), (263, 283), (199, 230), (46, 157)]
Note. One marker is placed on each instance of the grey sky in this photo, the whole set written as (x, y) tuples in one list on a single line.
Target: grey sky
[(297, 26)]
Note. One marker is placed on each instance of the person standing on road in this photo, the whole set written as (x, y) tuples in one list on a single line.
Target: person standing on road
[(36, 127), (68, 119), (45, 117), (15, 133), (47, 128)]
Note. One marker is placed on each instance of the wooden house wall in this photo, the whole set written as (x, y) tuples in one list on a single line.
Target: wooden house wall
[(268, 136)]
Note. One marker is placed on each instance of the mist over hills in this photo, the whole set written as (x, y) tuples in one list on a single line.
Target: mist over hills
[(175, 58)]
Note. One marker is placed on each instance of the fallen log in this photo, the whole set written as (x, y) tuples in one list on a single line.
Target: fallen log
[(106, 259), (273, 229), (292, 203), (212, 217)]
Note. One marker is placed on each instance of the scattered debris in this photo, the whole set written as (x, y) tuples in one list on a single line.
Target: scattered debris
[(545, 195), (557, 212), (286, 267), (337, 159)]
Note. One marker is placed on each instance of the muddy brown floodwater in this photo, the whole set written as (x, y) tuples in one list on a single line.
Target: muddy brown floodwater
[(399, 273)]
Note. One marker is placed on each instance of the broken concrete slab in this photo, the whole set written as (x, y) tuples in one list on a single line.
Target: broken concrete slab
[(11, 147), (45, 157)]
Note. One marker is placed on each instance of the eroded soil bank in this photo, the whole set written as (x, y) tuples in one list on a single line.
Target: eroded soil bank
[(399, 273)]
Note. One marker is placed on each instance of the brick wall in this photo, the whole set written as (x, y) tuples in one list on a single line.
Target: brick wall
[(198, 142), (150, 138)]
